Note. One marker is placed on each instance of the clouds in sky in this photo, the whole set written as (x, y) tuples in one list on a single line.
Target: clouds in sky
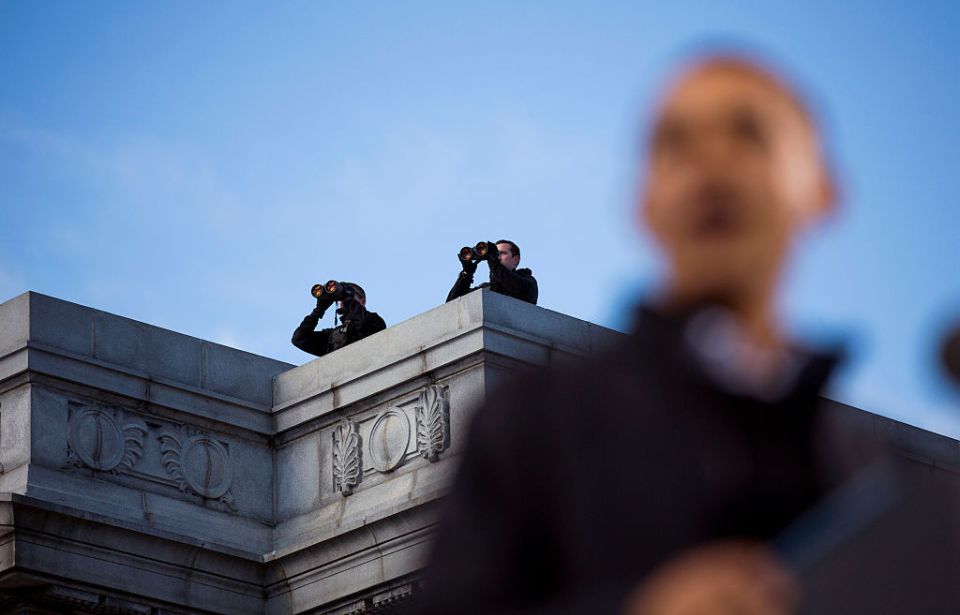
[(198, 167)]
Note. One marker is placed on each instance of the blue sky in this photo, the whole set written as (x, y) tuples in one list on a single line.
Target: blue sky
[(199, 165)]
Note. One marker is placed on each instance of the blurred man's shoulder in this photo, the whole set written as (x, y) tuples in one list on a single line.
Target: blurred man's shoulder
[(581, 385)]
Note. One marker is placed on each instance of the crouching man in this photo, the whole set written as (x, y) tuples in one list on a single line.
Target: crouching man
[(356, 322)]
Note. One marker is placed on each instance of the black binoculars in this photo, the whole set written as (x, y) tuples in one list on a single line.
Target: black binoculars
[(483, 251), (337, 291)]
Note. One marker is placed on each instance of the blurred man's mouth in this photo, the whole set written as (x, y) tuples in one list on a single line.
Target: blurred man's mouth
[(717, 212)]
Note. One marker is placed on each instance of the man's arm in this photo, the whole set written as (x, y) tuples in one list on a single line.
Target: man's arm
[(308, 340), (461, 286), (361, 323), (519, 286), (372, 323), (464, 280), (475, 558), (496, 549)]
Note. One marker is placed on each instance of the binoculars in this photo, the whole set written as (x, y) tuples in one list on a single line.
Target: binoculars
[(483, 251), (337, 291)]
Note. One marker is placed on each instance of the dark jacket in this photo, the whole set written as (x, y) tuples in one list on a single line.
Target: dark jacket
[(576, 483), (519, 283), (356, 324)]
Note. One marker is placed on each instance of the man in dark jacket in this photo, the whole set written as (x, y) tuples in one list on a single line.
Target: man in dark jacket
[(356, 323), (505, 278), (663, 478)]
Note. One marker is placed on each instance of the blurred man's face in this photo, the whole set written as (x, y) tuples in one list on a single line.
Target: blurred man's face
[(734, 171), (507, 259)]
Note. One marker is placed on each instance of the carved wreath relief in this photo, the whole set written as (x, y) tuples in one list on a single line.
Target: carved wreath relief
[(346, 457), (104, 440), (389, 439), (198, 463), (433, 422)]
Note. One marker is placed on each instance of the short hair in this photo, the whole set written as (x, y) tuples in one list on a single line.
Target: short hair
[(358, 289), (513, 247)]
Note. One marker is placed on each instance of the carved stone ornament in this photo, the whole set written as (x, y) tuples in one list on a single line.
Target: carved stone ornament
[(389, 439), (433, 422), (346, 457), (104, 440), (198, 464)]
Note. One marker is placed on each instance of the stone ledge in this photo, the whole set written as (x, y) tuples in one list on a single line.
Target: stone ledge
[(378, 503), (350, 563), (173, 529), (454, 355), (411, 338), (108, 339), (142, 388), (477, 310), (48, 542)]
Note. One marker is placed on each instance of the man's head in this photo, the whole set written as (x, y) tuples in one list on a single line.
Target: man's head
[(734, 171), (509, 254), (359, 294)]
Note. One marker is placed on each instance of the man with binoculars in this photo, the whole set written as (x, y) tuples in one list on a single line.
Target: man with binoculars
[(356, 322), (503, 258)]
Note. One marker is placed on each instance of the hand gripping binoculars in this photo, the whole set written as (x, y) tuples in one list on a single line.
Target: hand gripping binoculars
[(337, 291), (483, 251)]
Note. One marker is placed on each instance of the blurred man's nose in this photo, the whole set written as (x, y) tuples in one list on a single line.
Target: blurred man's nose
[(713, 146)]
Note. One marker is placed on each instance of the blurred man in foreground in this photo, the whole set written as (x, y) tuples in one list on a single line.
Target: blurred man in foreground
[(655, 480)]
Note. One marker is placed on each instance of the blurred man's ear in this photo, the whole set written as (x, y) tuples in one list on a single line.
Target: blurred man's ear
[(826, 198), (830, 194)]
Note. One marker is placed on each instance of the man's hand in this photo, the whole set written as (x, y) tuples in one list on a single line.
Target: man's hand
[(469, 266), (324, 301), (726, 578)]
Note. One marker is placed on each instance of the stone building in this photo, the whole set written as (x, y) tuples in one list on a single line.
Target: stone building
[(143, 471)]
